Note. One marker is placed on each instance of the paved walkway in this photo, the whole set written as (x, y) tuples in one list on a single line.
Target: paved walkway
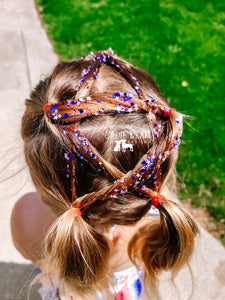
[(25, 56)]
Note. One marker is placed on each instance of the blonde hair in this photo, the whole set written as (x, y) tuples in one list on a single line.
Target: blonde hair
[(76, 251)]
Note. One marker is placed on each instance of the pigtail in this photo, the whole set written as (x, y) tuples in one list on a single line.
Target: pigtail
[(164, 243), (75, 253)]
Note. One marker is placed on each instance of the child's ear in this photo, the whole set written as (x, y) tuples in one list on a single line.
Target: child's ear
[(30, 220)]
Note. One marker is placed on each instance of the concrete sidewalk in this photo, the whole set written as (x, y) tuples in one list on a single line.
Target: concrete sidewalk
[(25, 56)]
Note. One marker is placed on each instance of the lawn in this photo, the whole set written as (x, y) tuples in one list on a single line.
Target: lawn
[(182, 44)]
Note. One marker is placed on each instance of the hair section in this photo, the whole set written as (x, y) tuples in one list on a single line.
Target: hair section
[(73, 162)]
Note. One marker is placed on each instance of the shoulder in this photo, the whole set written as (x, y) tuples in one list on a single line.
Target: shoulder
[(30, 220)]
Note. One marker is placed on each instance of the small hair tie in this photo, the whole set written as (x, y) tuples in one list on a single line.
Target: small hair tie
[(46, 106), (168, 113), (76, 210), (156, 199)]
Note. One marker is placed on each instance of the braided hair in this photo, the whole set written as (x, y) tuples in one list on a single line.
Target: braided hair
[(69, 129)]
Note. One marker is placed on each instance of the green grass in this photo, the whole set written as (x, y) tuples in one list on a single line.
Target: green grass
[(175, 41)]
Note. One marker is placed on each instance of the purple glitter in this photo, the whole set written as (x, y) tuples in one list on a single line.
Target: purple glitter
[(124, 191), (146, 165)]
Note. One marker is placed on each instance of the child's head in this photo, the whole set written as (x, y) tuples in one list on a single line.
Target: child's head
[(101, 139)]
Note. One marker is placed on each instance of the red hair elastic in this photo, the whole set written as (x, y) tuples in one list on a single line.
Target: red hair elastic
[(156, 199), (76, 210), (46, 106), (167, 113)]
